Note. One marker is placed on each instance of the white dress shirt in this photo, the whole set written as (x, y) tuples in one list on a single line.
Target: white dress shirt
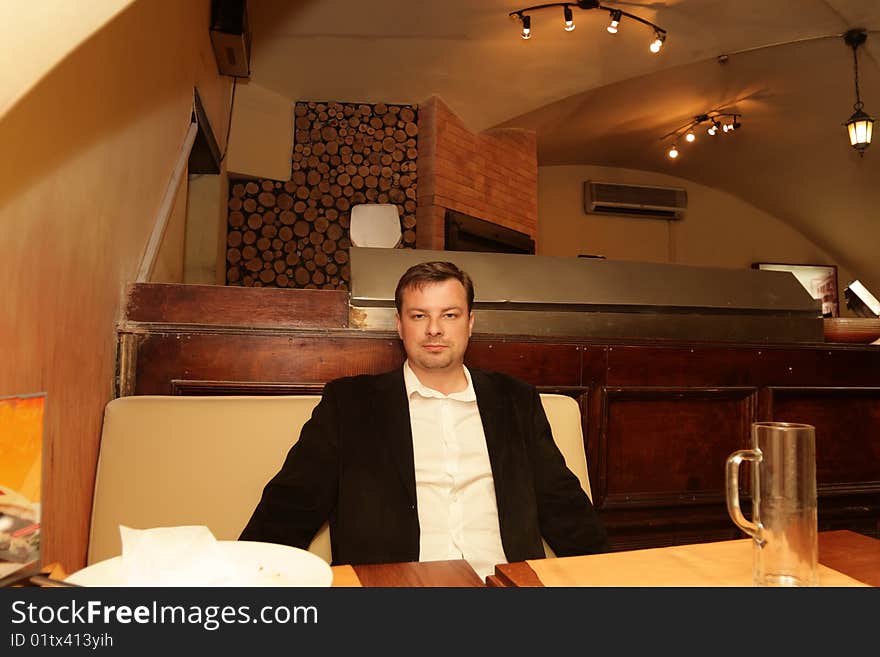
[(455, 492)]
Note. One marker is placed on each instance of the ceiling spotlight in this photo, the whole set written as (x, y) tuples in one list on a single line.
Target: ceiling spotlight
[(569, 20), (726, 127), (712, 130), (657, 43), (673, 152), (526, 27), (615, 21), (690, 136), (860, 125)]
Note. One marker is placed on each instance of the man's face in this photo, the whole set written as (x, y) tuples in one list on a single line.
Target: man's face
[(434, 324)]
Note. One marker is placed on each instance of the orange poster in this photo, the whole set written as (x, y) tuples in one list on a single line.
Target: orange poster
[(21, 460)]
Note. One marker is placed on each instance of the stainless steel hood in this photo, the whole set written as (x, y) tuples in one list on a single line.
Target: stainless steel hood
[(553, 296)]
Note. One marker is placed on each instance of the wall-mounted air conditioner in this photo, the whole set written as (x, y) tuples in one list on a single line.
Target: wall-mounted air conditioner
[(634, 200)]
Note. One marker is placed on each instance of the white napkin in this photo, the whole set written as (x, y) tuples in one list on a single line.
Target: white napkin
[(174, 556)]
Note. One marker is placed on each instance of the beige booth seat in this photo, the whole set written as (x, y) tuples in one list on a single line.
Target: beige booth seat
[(168, 461)]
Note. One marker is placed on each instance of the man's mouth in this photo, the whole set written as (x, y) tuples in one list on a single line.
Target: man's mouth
[(434, 347)]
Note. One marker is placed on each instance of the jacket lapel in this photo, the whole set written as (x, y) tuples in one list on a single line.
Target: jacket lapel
[(392, 401)]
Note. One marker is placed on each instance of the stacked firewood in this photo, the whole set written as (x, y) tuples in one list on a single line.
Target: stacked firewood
[(295, 234)]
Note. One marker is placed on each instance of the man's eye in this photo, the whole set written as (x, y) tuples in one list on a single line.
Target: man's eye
[(450, 315), (417, 316)]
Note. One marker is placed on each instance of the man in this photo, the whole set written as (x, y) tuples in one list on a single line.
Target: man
[(432, 461)]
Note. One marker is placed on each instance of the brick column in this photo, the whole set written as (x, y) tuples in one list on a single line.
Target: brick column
[(492, 175)]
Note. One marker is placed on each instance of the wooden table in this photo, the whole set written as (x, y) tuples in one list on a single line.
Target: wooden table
[(854, 555), (456, 573)]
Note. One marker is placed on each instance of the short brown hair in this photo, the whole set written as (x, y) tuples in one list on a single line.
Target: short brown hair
[(425, 273)]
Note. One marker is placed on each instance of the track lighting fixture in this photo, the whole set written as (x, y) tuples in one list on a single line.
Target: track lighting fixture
[(616, 15), (719, 121), (860, 125)]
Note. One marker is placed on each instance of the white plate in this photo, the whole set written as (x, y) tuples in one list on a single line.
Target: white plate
[(258, 564)]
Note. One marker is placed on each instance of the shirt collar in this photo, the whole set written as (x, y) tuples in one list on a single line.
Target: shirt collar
[(414, 386)]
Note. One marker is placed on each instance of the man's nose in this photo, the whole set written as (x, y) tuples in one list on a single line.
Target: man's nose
[(434, 327)]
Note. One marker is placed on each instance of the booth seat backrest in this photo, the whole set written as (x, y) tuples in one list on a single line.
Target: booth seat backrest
[(170, 460), (564, 416)]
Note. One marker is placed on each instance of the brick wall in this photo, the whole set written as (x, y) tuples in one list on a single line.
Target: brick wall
[(491, 175)]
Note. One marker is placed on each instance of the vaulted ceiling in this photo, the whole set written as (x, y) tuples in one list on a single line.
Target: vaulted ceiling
[(594, 98)]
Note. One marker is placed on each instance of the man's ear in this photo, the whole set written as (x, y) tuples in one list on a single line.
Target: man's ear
[(470, 323), (397, 318)]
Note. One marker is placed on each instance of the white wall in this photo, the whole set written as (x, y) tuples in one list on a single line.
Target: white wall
[(206, 229), (719, 229), (261, 136), (87, 154), (35, 36)]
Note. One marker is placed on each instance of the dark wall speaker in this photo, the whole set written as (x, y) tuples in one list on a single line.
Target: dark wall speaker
[(231, 37)]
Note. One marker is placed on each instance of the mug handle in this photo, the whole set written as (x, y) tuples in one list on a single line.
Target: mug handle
[(755, 530)]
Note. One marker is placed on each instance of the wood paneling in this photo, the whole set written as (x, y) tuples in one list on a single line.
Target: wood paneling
[(237, 306), (191, 388), (667, 446), (257, 357), (660, 419), (539, 364), (846, 421), (705, 366)]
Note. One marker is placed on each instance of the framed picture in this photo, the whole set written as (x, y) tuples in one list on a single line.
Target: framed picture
[(819, 280)]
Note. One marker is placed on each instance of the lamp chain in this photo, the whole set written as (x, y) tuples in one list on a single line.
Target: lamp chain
[(858, 104)]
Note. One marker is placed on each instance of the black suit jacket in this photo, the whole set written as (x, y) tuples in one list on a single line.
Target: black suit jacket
[(353, 464)]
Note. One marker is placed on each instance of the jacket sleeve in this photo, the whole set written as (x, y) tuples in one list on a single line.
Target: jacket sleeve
[(302, 495), (568, 521)]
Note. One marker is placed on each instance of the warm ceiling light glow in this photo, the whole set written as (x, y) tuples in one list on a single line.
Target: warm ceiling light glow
[(526, 27), (861, 128), (569, 19), (673, 152), (690, 136), (657, 43), (713, 129)]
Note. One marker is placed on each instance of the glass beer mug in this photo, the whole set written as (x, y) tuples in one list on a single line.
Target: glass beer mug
[(783, 524)]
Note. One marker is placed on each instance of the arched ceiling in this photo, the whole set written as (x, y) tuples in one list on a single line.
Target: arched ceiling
[(593, 98)]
